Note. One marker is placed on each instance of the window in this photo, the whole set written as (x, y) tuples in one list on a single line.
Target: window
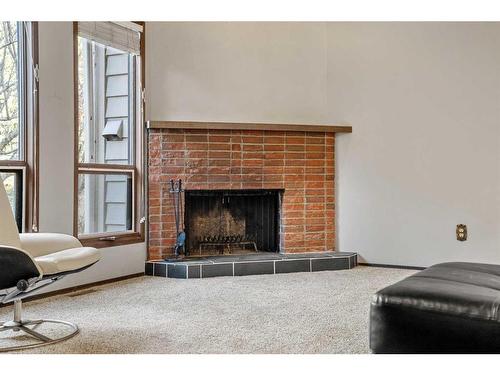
[(18, 132), (13, 182), (109, 134), (10, 91)]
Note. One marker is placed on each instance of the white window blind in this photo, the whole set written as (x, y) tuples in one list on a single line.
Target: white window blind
[(125, 36)]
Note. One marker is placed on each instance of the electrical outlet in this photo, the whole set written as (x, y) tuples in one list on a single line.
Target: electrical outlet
[(461, 232)]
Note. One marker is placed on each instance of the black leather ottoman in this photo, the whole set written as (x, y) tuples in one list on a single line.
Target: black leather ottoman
[(446, 308)]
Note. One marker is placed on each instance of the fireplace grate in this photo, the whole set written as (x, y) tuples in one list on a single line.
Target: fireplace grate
[(227, 241)]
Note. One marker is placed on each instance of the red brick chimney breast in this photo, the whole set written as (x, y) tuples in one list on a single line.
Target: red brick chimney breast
[(301, 163)]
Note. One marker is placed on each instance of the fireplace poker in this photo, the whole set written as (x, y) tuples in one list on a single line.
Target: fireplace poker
[(176, 190)]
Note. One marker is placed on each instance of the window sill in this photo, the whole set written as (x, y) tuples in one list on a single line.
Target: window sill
[(119, 240)]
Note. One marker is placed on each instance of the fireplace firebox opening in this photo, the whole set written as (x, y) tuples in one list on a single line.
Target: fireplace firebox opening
[(232, 221)]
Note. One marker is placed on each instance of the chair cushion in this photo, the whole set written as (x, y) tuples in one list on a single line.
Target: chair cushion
[(67, 260), (38, 244), (449, 307)]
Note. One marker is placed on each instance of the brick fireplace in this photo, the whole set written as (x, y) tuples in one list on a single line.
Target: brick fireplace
[(297, 163)]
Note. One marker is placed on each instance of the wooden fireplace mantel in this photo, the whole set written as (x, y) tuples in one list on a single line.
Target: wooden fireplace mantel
[(248, 126)]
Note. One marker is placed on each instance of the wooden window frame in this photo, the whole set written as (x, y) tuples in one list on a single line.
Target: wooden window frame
[(137, 235), (20, 176), (28, 163)]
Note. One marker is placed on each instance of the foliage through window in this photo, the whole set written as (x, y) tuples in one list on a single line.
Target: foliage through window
[(17, 121), (10, 128)]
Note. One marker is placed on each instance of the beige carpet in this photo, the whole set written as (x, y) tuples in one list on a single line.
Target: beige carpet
[(321, 312)]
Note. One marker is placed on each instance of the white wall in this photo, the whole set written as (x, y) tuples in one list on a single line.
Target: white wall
[(56, 130), (56, 156), (423, 100), (424, 156), (236, 71)]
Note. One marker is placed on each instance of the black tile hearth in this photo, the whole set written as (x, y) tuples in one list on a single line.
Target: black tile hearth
[(214, 270), (160, 269), (352, 262), (330, 264), (253, 264), (295, 265), (148, 270), (194, 271), (254, 268), (177, 271)]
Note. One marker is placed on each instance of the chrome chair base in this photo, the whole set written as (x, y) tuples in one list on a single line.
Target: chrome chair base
[(18, 324)]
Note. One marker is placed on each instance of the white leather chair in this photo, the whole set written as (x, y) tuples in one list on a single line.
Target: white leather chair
[(30, 261)]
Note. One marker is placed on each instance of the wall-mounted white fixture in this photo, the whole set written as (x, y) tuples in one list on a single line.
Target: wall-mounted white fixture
[(113, 131)]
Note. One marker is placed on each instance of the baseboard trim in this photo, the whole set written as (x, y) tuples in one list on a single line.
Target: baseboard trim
[(77, 288), (391, 266)]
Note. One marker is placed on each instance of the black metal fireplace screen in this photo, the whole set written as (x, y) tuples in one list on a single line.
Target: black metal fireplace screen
[(223, 221)]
